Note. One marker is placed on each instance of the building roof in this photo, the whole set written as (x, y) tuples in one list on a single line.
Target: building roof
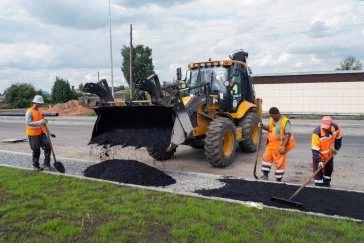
[(309, 73)]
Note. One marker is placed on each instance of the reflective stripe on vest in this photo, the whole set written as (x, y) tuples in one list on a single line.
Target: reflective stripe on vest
[(37, 116), (323, 142)]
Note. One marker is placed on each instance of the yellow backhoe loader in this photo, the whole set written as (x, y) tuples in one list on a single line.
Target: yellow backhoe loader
[(214, 109)]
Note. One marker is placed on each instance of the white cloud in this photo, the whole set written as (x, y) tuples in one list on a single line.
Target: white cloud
[(70, 39)]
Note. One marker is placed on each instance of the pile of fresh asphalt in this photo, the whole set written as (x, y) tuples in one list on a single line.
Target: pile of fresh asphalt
[(130, 172), (159, 138), (317, 200)]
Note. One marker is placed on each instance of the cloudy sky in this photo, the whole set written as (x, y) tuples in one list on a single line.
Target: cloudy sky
[(42, 39)]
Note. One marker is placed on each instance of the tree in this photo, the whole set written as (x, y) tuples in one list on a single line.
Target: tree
[(61, 91), (142, 62), (21, 95), (119, 88), (350, 63), (80, 87)]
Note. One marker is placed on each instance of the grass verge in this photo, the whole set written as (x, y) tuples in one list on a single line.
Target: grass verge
[(37, 207)]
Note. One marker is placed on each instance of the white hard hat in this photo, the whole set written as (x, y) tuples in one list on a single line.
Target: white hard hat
[(38, 99)]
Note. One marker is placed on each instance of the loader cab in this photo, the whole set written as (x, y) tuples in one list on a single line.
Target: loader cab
[(216, 76), (229, 81)]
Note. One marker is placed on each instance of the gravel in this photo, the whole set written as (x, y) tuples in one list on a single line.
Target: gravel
[(327, 201), (185, 182), (158, 138), (129, 171)]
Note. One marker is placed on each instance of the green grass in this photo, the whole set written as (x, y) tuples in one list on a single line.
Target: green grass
[(37, 207)]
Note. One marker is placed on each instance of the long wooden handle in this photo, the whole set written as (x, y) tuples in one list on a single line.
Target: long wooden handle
[(258, 146), (50, 142), (317, 171)]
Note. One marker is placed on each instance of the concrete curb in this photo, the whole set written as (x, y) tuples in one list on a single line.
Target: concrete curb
[(195, 195)]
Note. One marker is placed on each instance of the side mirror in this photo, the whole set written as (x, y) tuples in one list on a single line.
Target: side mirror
[(179, 74)]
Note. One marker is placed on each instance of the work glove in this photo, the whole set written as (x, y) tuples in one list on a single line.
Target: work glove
[(282, 150), (44, 121), (321, 164), (52, 135), (334, 151)]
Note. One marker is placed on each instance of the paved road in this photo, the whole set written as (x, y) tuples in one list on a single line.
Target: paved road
[(72, 139)]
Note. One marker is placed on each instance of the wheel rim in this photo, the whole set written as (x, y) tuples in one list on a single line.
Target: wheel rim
[(255, 133), (228, 143)]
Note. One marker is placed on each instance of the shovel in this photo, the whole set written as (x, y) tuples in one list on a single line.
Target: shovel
[(256, 157), (295, 203), (57, 165)]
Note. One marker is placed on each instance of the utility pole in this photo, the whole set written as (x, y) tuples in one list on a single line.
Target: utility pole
[(131, 62), (112, 74)]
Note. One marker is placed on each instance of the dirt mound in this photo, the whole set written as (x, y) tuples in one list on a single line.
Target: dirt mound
[(129, 171), (318, 200), (71, 108)]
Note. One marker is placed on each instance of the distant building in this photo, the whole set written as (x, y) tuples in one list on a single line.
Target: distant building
[(45, 93), (312, 92)]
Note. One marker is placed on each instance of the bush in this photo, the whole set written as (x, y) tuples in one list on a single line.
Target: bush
[(21, 95)]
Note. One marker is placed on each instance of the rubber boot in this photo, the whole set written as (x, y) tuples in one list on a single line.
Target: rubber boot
[(264, 177), (279, 179), (47, 160), (36, 155)]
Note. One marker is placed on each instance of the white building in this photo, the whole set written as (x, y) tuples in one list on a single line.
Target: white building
[(334, 92)]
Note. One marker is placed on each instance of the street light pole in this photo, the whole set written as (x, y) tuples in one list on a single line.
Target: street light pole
[(112, 74)]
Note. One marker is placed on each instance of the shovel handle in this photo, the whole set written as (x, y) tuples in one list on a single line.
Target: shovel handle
[(50, 142), (316, 172), (256, 156)]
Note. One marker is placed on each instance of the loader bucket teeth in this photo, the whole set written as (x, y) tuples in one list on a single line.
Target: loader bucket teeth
[(136, 126)]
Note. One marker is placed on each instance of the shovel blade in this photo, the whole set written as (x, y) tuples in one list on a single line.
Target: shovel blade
[(288, 202), (59, 167)]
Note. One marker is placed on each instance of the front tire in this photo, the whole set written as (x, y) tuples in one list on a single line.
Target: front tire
[(220, 142), (250, 123), (161, 155)]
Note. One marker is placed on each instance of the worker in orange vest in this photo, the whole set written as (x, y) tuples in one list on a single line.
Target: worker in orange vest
[(37, 133), (326, 141), (279, 142)]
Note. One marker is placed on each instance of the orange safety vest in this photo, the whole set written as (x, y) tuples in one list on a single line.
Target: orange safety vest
[(37, 116), (323, 142), (278, 140)]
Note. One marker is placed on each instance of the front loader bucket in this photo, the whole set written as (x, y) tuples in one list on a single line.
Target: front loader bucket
[(138, 126)]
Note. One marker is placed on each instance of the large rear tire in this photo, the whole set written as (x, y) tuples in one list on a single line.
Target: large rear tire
[(249, 123), (161, 155), (220, 142)]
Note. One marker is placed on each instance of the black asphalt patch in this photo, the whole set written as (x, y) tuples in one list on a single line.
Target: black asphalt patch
[(130, 172), (158, 138), (317, 200)]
